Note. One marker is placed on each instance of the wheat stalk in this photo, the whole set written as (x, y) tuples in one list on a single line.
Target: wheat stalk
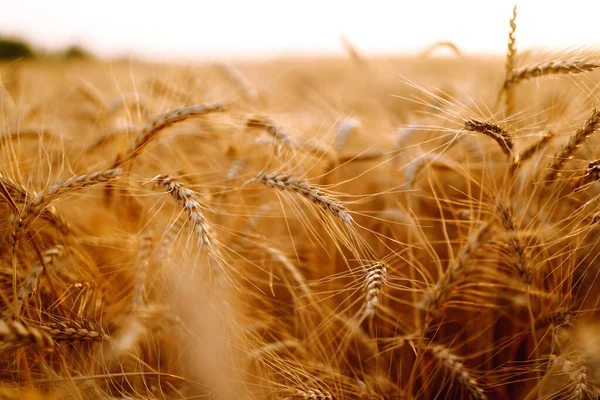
[(289, 183), (566, 153), (548, 68)]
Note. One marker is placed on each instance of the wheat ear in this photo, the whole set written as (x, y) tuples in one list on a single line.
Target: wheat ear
[(69, 330), (375, 281), (289, 183), (31, 280), (566, 153), (435, 297), (43, 198), (143, 260), (154, 127), (459, 371), (269, 126), (494, 131), (515, 243), (192, 205), (17, 334), (531, 151), (511, 56), (548, 68), (249, 92), (592, 174)]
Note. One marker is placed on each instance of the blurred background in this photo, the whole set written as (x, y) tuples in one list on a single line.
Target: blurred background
[(196, 30)]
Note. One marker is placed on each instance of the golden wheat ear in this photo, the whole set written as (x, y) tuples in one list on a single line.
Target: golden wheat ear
[(511, 56), (556, 67), (568, 150)]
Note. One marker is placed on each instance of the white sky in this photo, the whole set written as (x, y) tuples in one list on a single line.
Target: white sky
[(226, 28)]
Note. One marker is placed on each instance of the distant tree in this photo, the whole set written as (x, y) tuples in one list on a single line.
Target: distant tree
[(11, 48), (77, 52)]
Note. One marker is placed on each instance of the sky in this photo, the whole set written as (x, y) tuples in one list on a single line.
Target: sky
[(217, 29)]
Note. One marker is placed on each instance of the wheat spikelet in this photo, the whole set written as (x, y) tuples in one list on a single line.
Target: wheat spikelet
[(494, 131), (70, 330), (154, 127), (16, 334), (289, 183), (575, 141), (43, 198), (374, 282), (435, 297), (511, 56), (459, 371), (548, 68), (192, 205)]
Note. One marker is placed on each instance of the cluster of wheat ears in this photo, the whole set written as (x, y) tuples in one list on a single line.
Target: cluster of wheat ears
[(284, 239)]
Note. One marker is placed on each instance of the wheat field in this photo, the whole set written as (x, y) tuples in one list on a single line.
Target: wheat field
[(335, 228)]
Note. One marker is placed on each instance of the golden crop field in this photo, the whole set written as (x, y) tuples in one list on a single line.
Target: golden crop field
[(335, 228)]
